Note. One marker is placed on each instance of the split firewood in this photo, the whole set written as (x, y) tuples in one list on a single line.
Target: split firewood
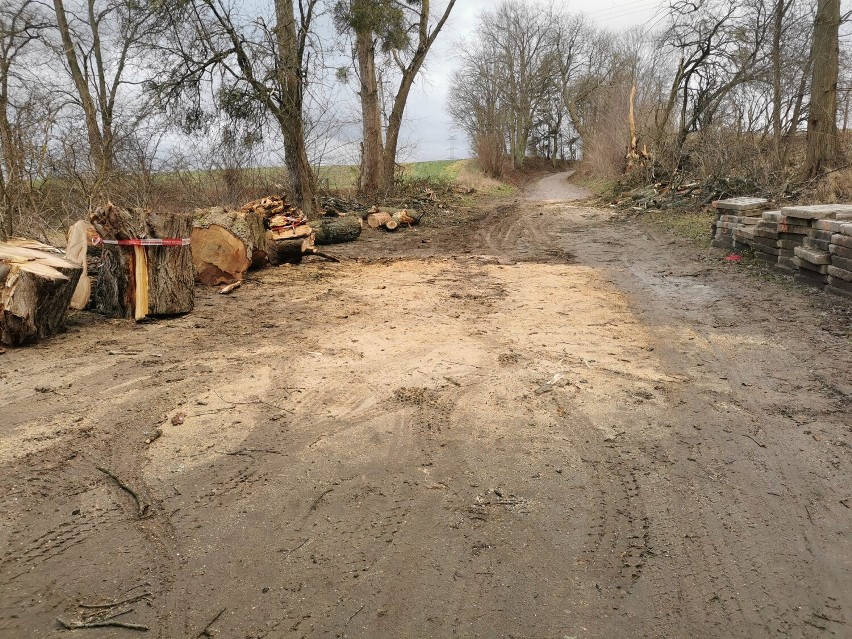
[(290, 233), (35, 290), (226, 243), (138, 281), (25, 242), (79, 237), (230, 288), (269, 206), (289, 220), (336, 230)]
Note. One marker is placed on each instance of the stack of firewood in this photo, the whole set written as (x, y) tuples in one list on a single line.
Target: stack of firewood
[(226, 243)]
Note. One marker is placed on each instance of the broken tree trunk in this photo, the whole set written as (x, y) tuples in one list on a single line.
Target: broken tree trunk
[(77, 251), (226, 243), (152, 277), (35, 290), (336, 230)]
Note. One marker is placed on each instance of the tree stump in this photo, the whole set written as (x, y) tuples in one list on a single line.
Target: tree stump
[(285, 249), (226, 243), (138, 280), (35, 291)]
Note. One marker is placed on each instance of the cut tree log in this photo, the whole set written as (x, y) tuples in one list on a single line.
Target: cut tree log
[(139, 281), (289, 250), (226, 243), (76, 250), (378, 219), (391, 219), (336, 230), (35, 291)]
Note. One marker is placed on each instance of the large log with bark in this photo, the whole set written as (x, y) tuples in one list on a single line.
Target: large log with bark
[(137, 278), (226, 243), (35, 291), (336, 230)]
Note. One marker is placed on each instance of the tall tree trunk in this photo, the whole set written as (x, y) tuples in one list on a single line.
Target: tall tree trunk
[(822, 122), (777, 133), (10, 174), (289, 115), (372, 149), (100, 160), (424, 43)]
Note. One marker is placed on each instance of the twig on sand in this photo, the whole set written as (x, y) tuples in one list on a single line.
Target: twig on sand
[(142, 506), (115, 604), (81, 625), (256, 401), (206, 631), (319, 499), (755, 441), (354, 614)]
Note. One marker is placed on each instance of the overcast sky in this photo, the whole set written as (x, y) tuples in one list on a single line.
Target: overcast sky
[(429, 132)]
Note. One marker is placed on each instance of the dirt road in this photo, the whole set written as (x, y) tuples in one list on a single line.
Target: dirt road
[(541, 423)]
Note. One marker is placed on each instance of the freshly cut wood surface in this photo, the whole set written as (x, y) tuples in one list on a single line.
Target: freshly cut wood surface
[(376, 220), (77, 251), (226, 243), (35, 290)]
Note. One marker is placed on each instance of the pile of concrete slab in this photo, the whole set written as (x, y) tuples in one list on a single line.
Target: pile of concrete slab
[(814, 243)]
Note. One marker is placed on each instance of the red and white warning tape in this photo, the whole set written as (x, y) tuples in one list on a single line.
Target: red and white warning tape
[(167, 241)]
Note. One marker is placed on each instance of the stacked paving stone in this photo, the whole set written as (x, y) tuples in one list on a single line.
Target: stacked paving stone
[(732, 216), (814, 243), (812, 258), (764, 241), (792, 234), (839, 278)]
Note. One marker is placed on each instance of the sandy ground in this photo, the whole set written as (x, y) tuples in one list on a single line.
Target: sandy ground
[(544, 422)]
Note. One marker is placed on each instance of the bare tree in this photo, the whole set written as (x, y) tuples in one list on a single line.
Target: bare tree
[(20, 25), (101, 44), (822, 121), (256, 68), (386, 25)]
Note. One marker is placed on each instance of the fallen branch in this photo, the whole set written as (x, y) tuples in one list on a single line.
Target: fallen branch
[(292, 550), (115, 604), (81, 625), (325, 256), (256, 401), (354, 614), (206, 631), (755, 441), (249, 451), (141, 505), (318, 500)]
